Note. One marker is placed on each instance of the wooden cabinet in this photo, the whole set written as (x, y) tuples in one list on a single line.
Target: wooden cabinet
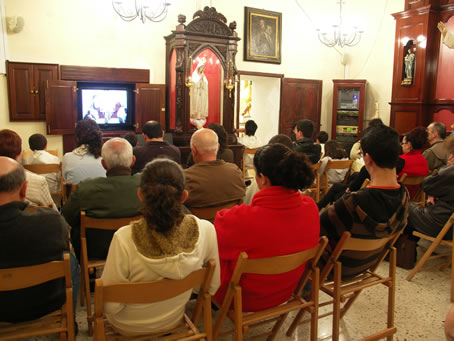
[(150, 104), (26, 82), (348, 110)]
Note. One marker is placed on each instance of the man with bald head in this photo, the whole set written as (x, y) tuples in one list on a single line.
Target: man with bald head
[(154, 147), (112, 197), (211, 182), (28, 236)]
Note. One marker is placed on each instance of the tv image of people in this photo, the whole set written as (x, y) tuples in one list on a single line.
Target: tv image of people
[(105, 106)]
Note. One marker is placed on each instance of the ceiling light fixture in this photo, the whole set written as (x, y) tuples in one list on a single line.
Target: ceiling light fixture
[(153, 10)]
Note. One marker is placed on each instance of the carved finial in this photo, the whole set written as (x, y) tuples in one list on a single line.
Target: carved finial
[(210, 13), (181, 19), (232, 25)]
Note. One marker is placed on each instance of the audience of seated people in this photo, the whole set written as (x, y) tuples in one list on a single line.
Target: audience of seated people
[(279, 221), (224, 152), (333, 151), (415, 163), (384, 201), (38, 145), (211, 181), (431, 218), (37, 189), (321, 139), (131, 138), (166, 243), (85, 160), (250, 140), (303, 132), (436, 155), (30, 236), (110, 197), (154, 146)]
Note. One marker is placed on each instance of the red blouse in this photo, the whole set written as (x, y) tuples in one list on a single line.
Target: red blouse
[(415, 165)]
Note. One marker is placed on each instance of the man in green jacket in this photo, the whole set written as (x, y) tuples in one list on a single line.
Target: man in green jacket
[(112, 197)]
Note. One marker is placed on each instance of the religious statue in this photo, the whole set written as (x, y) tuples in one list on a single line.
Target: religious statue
[(199, 96), (409, 66), (446, 37)]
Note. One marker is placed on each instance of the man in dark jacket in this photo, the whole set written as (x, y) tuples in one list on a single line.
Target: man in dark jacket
[(303, 132)]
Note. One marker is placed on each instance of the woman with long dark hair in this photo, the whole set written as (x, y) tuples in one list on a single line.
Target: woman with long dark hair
[(165, 243), (279, 221)]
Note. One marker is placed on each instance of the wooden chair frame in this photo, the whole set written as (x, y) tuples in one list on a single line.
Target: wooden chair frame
[(346, 291), (247, 151), (314, 190), (335, 164), (419, 197), (157, 291), (209, 213), (49, 168), (87, 265), (60, 321), (272, 266), (428, 254)]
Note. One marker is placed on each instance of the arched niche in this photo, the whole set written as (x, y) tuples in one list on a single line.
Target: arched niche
[(206, 36)]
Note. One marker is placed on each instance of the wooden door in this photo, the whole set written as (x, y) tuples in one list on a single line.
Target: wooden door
[(300, 99), (21, 93), (61, 106), (41, 74), (149, 104)]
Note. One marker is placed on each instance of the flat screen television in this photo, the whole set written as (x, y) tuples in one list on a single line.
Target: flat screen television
[(110, 105)]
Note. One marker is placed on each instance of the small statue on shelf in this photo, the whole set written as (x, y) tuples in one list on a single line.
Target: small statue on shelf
[(409, 64)]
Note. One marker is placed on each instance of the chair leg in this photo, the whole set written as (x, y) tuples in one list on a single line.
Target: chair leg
[(452, 274), (315, 292), (336, 301), (276, 327), (391, 290), (349, 303), (238, 313), (295, 322), (421, 262)]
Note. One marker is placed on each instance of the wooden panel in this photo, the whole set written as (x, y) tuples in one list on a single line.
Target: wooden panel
[(405, 121), (20, 91), (104, 74), (150, 104), (61, 107), (41, 74), (301, 98)]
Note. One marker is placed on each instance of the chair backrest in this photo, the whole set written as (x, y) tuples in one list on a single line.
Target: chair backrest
[(44, 168), (315, 187), (419, 196), (102, 223), (335, 164), (28, 276), (247, 151), (209, 213)]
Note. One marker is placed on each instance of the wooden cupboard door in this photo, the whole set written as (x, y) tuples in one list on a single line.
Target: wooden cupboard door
[(61, 106), (301, 99), (21, 93), (41, 74), (149, 104)]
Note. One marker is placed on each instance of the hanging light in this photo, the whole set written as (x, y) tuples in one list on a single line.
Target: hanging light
[(340, 35), (153, 10)]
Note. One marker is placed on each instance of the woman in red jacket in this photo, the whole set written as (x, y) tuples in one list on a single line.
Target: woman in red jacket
[(279, 221), (415, 162)]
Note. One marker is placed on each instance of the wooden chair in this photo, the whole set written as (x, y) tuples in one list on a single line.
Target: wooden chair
[(67, 189), (89, 265), (346, 291), (247, 151), (428, 254), (28, 153), (157, 291), (314, 190), (334, 164), (272, 266), (49, 168), (60, 321), (420, 196), (209, 213)]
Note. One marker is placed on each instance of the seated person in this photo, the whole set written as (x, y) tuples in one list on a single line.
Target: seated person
[(431, 218), (303, 132), (38, 145), (355, 152), (333, 151), (84, 161), (384, 201), (224, 153), (164, 244), (321, 139), (154, 147), (415, 162), (279, 221), (131, 138), (250, 141), (436, 155), (112, 197), (37, 189), (30, 236), (211, 182)]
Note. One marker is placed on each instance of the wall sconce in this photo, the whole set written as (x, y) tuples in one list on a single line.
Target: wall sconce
[(230, 81)]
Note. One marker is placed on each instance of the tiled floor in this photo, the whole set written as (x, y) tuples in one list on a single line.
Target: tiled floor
[(421, 306)]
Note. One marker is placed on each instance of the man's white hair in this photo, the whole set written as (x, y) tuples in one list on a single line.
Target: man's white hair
[(117, 152), (205, 141)]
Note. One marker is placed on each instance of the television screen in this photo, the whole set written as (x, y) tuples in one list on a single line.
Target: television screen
[(105, 106)]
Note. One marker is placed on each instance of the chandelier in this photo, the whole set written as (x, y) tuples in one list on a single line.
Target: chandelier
[(339, 34), (153, 10)]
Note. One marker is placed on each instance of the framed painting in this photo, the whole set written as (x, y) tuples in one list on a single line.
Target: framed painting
[(263, 34)]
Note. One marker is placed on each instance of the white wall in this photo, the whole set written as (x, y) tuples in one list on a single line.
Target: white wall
[(88, 32)]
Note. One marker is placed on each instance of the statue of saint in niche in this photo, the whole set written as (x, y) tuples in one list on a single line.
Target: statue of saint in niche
[(409, 64), (199, 97)]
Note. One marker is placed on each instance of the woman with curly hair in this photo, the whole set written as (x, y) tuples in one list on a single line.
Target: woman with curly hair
[(165, 243), (85, 160), (279, 221), (415, 162)]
